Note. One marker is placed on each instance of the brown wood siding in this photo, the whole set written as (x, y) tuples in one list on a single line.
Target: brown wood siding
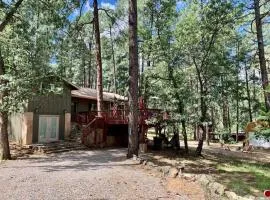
[(83, 105), (51, 104)]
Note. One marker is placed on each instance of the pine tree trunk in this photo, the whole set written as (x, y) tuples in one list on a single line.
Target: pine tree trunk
[(225, 113), (248, 95), (114, 65), (207, 137), (184, 132), (213, 119), (237, 108), (264, 75), (4, 143), (98, 61), (203, 120), (180, 107), (133, 80), (84, 71), (229, 120), (199, 148)]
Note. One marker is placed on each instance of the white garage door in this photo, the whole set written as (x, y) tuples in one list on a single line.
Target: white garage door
[(48, 130)]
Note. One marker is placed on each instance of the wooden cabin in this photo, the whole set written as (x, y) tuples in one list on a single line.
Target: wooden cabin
[(112, 128), (45, 117), (84, 106)]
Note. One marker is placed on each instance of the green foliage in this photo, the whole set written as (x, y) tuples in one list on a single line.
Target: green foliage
[(27, 46), (188, 55), (263, 131)]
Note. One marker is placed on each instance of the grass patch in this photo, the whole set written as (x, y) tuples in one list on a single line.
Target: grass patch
[(245, 178)]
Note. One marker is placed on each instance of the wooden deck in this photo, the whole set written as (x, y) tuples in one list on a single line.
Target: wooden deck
[(95, 129), (114, 117)]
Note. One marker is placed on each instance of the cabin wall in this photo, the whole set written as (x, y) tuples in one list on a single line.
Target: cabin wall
[(21, 127), (83, 107), (86, 105), (15, 127), (51, 104)]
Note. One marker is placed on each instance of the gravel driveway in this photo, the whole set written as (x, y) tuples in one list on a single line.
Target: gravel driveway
[(95, 174)]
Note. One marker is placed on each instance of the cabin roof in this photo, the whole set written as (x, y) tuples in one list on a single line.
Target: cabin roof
[(71, 85), (88, 93)]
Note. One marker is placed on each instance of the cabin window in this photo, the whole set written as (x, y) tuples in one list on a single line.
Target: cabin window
[(56, 87), (74, 107), (89, 106), (94, 107)]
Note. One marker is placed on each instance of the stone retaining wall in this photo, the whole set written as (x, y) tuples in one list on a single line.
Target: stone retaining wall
[(213, 189)]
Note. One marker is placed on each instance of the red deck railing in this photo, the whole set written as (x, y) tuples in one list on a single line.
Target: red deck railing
[(114, 116)]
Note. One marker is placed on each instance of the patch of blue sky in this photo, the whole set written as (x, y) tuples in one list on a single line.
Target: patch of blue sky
[(180, 5), (88, 6)]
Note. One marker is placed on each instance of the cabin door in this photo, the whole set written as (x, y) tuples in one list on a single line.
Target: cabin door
[(48, 130)]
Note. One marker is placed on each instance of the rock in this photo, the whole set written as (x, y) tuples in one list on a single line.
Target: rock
[(204, 180), (134, 157), (250, 197), (181, 168), (159, 168), (231, 195), (237, 148), (173, 172), (187, 176), (165, 170), (151, 164), (217, 188), (144, 162), (140, 160), (247, 197)]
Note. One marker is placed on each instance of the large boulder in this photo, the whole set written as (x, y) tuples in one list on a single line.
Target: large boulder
[(231, 195), (165, 170), (217, 188), (204, 180), (173, 172)]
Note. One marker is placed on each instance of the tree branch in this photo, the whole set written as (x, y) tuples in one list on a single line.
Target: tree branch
[(265, 14), (107, 12), (9, 15)]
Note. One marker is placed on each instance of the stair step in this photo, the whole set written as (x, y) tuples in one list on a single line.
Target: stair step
[(64, 150)]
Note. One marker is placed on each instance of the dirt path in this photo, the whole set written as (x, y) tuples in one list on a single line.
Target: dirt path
[(97, 174)]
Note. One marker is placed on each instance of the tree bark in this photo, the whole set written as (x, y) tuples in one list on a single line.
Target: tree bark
[(248, 95), (133, 80), (225, 113), (199, 148), (184, 131), (264, 75), (237, 107), (213, 119), (229, 120), (180, 106), (4, 142), (203, 116), (84, 71), (114, 65), (98, 61)]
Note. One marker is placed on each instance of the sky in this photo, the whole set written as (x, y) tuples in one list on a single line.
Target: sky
[(89, 5), (112, 4)]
